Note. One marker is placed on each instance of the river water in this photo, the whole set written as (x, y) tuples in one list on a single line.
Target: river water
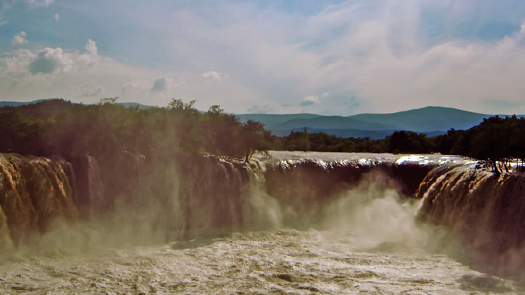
[(272, 262), (368, 243)]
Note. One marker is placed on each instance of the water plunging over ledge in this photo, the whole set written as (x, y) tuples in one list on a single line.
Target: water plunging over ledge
[(293, 223)]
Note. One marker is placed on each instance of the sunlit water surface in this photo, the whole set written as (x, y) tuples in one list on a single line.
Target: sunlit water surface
[(273, 262), (368, 243)]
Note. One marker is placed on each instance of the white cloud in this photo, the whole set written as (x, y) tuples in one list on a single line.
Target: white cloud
[(91, 57), (161, 84), (261, 109), (91, 47), (54, 59), (19, 39), (39, 3), (57, 17), (309, 100), (51, 60), (377, 51), (54, 72), (215, 76), (92, 92), (44, 64), (132, 86), (95, 91)]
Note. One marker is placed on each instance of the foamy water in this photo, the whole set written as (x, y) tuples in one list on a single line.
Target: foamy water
[(366, 240), (369, 243), (361, 158), (273, 262)]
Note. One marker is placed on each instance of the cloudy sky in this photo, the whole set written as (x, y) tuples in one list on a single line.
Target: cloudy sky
[(268, 56)]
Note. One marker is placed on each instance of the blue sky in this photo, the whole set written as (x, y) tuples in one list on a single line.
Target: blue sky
[(326, 57)]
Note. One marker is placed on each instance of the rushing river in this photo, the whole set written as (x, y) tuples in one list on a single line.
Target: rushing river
[(271, 262), (359, 238)]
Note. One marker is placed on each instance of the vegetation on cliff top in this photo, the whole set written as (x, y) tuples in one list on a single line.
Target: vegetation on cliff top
[(58, 127)]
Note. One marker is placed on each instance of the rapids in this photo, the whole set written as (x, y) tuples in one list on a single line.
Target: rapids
[(290, 222), (484, 210), (34, 191), (270, 262)]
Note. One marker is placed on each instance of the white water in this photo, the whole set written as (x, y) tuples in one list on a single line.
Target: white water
[(362, 158), (368, 243), (274, 262)]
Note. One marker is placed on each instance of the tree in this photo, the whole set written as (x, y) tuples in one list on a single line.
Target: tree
[(107, 100), (179, 105), (255, 138)]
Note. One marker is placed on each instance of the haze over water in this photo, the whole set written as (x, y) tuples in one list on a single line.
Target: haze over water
[(367, 240)]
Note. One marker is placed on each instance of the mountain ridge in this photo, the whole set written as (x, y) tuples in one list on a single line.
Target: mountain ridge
[(432, 120)]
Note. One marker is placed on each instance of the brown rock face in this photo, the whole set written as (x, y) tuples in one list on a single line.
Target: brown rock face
[(5, 239), (307, 187), (198, 196), (34, 192), (486, 211)]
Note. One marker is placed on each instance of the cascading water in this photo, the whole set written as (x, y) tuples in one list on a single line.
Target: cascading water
[(485, 210), (34, 193), (234, 227)]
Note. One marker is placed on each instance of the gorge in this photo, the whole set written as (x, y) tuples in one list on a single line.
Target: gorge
[(365, 204)]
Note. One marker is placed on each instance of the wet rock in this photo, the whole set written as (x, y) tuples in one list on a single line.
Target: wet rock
[(285, 276), (484, 210), (23, 288), (34, 192), (309, 288), (483, 283)]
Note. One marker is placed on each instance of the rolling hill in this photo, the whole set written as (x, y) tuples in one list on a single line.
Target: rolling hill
[(431, 120), (426, 119), (275, 119), (20, 103)]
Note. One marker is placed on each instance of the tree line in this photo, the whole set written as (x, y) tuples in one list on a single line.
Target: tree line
[(59, 127), (495, 140)]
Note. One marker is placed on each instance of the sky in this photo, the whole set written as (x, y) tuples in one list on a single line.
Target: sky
[(268, 56)]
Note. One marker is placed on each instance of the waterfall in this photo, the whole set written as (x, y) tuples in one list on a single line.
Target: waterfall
[(34, 193), (484, 210), (189, 197), (135, 199)]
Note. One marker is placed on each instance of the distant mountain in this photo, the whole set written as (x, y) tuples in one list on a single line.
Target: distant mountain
[(21, 103), (426, 119), (333, 122), (274, 119), (430, 120), (373, 134), (11, 103), (134, 104)]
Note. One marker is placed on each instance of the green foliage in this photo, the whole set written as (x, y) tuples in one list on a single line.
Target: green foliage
[(255, 138), (216, 110), (107, 100), (410, 142), (179, 105), (105, 129), (495, 139)]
